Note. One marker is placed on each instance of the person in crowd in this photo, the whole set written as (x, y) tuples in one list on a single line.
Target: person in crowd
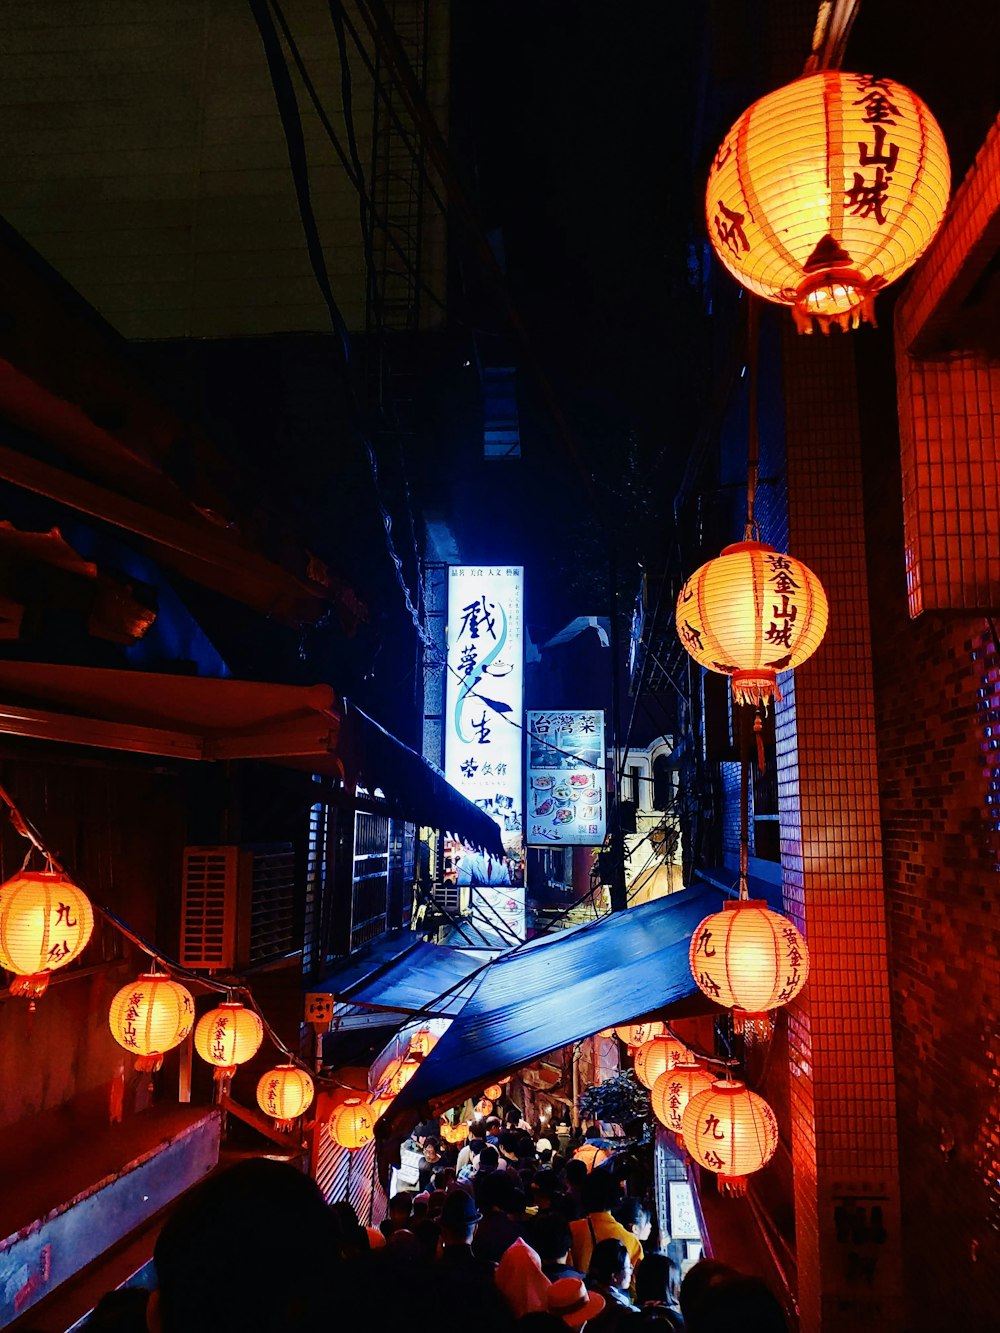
[(445, 1178), (698, 1281), (435, 1203), (600, 1194), (575, 1174), (470, 1166), (610, 1275), (739, 1302), (520, 1280), (493, 1130), (257, 1222), (462, 1293), (489, 1165), (431, 1162), (548, 1234), (547, 1194), (572, 1303), (634, 1216), (498, 1199), (427, 1234), (400, 1210), (526, 1154), (469, 1150), (654, 1288), (508, 1148)]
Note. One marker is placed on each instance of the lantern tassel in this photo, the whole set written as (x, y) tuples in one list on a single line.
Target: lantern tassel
[(758, 729), (30, 987), (149, 1064), (734, 1186)]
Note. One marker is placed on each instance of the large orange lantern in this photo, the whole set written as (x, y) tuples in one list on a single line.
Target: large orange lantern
[(379, 1106), (352, 1124), (45, 922), (748, 959), (827, 190), (227, 1037), (750, 613), (151, 1016), (656, 1056), (285, 1093), (635, 1034), (673, 1090), (484, 1106), (494, 1092), (730, 1130), (402, 1074), (457, 1133)]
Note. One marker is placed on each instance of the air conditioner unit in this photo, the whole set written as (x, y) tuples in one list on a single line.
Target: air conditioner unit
[(237, 905)]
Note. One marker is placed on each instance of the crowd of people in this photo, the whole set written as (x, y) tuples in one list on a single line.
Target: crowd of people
[(501, 1235)]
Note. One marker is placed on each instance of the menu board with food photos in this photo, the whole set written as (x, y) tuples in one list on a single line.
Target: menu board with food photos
[(567, 801)]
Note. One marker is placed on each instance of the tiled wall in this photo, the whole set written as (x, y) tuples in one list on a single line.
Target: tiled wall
[(949, 410), (840, 1046)]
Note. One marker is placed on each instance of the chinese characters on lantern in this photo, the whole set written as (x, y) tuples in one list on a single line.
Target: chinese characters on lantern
[(566, 796)]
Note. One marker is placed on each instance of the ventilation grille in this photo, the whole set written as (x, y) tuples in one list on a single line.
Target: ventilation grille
[(272, 909), (208, 907)]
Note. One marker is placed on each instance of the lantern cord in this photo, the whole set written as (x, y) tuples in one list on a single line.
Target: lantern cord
[(744, 801), (750, 532)]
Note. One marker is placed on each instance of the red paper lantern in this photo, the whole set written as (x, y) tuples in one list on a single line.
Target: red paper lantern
[(750, 613), (352, 1124), (730, 1130), (825, 191), (228, 1036), (656, 1056), (673, 1090), (45, 922), (748, 959), (637, 1034), (151, 1016), (285, 1093)]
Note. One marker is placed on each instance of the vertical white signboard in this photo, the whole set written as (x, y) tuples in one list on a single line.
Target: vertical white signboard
[(484, 714)]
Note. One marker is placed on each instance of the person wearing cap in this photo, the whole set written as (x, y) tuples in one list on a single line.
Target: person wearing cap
[(462, 1284), (457, 1221), (569, 1300)]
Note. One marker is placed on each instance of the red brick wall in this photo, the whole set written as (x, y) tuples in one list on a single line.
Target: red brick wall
[(940, 855)]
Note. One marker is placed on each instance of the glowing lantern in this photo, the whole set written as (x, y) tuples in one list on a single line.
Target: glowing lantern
[(379, 1106), (656, 1056), (748, 959), (285, 1092), (637, 1034), (401, 1076), (749, 614), (456, 1133), (730, 1130), (352, 1124), (673, 1090), (151, 1016), (827, 190), (493, 1092), (484, 1106), (423, 1041), (45, 922), (228, 1036)]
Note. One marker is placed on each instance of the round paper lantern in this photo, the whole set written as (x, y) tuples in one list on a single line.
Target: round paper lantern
[(748, 959), (484, 1106), (730, 1130), (673, 1090), (656, 1056), (228, 1036), (750, 613), (457, 1133), (379, 1106), (352, 1124), (284, 1093), (45, 922), (401, 1076), (151, 1016), (493, 1092), (423, 1041), (825, 191), (635, 1034)]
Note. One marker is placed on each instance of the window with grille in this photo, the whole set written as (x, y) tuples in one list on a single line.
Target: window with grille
[(370, 878)]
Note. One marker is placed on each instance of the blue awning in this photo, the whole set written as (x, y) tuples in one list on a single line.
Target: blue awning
[(559, 988), (429, 979)]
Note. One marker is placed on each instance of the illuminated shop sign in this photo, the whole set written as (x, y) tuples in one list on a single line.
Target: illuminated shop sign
[(566, 798), (484, 717)]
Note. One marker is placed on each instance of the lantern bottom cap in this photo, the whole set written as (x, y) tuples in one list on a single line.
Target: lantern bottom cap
[(149, 1064), (758, 687), (835, 296), (30, 986)]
